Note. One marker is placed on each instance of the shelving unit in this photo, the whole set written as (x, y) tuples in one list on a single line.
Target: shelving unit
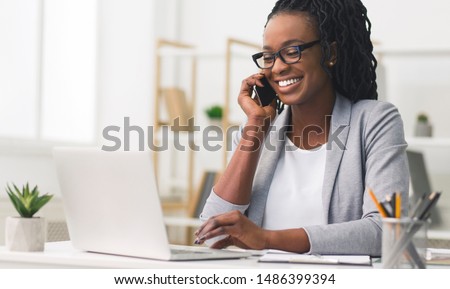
[(429, 142), (176, 104)]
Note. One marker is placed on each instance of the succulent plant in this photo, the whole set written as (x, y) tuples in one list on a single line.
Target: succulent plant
[(422, 117), (26, 202)]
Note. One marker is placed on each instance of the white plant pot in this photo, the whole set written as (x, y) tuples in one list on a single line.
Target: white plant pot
[(423, 129), (25, 234), (215, 124)]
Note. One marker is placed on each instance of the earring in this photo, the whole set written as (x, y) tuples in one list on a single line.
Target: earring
[(331, 63)]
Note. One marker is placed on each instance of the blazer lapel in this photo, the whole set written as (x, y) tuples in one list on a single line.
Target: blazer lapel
[(268, 160), (337, 139)]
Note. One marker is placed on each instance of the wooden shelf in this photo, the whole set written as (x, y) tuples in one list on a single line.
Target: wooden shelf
[(428, 142), (177, 104), (413, 52)]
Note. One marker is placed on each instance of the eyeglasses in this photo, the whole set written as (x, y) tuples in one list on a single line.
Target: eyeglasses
[(289, 55)]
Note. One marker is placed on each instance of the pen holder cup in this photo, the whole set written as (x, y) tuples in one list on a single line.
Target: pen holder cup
[(404, 243)]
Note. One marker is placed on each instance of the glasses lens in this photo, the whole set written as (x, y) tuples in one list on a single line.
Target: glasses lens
[(265, 60), (290, 54)]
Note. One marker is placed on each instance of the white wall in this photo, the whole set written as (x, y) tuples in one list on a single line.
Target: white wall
[(410, 23), (125, 62), (19, 28)]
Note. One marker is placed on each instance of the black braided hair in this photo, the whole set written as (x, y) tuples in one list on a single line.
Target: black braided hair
[(346, 23)]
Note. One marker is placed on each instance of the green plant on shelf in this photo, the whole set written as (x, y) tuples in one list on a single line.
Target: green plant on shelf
[(422, 117), (214, 112), (26, 202)]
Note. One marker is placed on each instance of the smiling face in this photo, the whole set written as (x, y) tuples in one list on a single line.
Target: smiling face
[(303, 82)]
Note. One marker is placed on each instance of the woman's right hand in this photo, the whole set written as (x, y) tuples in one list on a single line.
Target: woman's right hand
[(236, 229), (251, 107)]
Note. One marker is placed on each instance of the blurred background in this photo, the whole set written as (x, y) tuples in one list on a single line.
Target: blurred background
[(71, 69)]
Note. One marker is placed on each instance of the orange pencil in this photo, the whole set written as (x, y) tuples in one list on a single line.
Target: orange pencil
[(398, 205), (383, 213)]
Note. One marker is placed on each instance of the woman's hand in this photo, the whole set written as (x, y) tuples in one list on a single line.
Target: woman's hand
[(240, 231), (251, 107)]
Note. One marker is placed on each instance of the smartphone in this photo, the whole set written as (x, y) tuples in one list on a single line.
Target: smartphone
[(265, 94)]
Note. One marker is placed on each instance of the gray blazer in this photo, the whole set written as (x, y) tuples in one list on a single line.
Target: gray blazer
[(365, 149)]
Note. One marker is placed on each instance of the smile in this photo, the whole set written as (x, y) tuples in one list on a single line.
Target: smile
[(288, 82)]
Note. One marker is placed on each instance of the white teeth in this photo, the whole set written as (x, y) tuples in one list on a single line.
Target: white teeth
[(288, 82)]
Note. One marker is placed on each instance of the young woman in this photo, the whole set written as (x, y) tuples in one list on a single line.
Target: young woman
[(298, 181)]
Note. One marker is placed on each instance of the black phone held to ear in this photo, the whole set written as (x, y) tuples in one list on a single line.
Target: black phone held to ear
[(265, 94)]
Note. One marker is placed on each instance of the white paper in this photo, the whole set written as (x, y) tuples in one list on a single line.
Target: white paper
[(284, 257), (436, 254)]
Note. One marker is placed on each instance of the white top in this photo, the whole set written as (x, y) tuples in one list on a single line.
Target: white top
[(295, 194)]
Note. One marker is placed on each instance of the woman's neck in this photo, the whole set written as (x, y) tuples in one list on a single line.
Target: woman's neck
[(310, 123)]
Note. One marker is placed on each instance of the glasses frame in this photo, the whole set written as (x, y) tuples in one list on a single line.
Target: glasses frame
[(277, 54)]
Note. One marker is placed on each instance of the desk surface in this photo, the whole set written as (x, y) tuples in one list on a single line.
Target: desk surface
[(63, 255)]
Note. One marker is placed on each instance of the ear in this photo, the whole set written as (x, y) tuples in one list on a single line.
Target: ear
[(333, 54)]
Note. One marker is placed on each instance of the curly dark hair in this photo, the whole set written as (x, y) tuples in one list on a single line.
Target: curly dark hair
[(346, 23)]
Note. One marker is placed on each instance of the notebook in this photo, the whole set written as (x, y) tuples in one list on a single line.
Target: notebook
[(112, 206), (420, 182)]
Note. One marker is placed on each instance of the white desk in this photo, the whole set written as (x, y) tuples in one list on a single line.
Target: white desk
[(63, 255)]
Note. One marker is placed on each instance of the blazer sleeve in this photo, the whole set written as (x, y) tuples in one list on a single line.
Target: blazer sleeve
[(385, 170)]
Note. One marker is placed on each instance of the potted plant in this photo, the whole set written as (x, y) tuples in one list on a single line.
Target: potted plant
[(214, 112), (26, 233), (423, 127)]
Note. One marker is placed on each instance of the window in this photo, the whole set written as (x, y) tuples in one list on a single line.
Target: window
[(48, 70)]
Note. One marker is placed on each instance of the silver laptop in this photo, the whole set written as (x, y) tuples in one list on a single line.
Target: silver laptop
[(420, 182), (112, 206)]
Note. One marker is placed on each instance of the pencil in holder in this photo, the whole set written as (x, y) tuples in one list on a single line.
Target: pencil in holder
[(404, 243)]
